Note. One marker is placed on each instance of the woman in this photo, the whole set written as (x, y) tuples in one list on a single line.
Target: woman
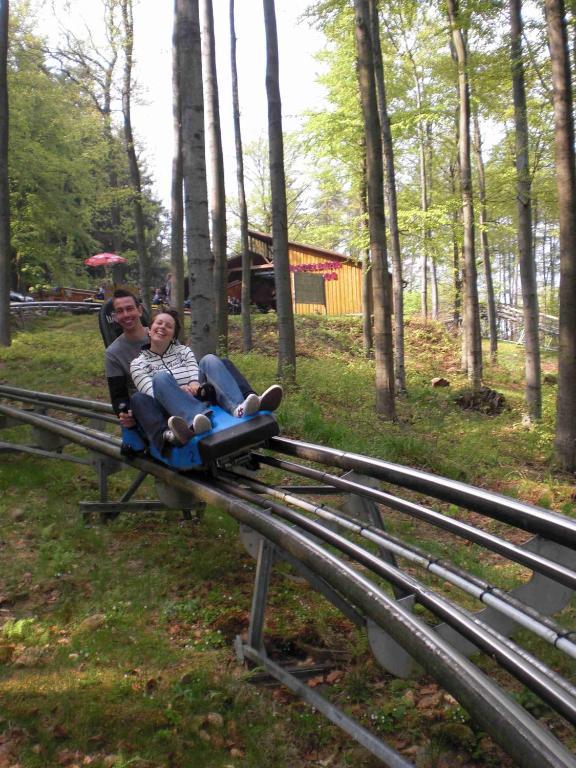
[(167, 371)]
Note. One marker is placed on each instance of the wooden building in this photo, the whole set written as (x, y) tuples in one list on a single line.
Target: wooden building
[(322, 281)]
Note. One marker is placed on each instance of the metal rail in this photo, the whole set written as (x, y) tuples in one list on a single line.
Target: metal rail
[(497, 544), (308, 544), (552, 525)]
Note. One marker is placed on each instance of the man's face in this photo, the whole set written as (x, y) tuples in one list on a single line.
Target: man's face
[(126, 313)]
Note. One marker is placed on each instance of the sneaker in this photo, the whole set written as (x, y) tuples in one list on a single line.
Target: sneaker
[(201, 424), (248, 407), (169, 438), (180, 429), (271, 398)]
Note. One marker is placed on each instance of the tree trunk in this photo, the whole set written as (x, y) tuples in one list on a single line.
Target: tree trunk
[(434, 290), (243, 211), (284, 307), (5, 338), (424, 209), (434, 295), (143, 263), (391, 200), (200, 263), (367, 303), (566, 186), (217, 187), (383, 347), (471, 308), (533, 392), (483, 221), (456, 278), (177, 202)]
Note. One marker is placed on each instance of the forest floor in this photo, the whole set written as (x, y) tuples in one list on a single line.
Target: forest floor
[(116, 640)]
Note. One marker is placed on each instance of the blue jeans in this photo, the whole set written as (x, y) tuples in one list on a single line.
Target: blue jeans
[(226, 383), (152, 413)]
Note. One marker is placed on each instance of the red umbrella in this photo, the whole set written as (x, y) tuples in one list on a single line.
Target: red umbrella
[(104, 260)]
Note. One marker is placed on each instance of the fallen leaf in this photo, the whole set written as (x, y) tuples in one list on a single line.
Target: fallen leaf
[(215, 719), (334, 676)]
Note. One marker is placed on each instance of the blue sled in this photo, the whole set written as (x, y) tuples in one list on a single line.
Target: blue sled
[(228, 437)]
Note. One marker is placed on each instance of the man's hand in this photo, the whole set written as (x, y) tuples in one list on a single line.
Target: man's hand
[(126, 419), (192, 388)]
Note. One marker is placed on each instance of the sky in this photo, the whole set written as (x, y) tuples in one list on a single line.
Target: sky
[(152, 118)]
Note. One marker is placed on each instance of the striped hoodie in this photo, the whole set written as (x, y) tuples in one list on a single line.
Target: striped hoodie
[(178, 359)]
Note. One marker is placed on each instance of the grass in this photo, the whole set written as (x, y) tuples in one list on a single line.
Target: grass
[(115, 641)]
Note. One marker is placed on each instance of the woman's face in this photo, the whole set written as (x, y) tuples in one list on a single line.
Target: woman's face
[(162, 329)]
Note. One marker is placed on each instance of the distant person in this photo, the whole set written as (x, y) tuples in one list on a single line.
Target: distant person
[(120, 353), (168, 288), (100, 293), (157, 298)]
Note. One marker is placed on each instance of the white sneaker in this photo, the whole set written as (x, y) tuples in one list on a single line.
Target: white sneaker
[(248, 407), (169, 438), (271, 398), (201, 424), (179, 429)]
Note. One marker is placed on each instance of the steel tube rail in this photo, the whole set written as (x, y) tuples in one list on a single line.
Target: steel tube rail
[(533, 561), (15, 393), (482, 590), (534, 519), (509, 724), (39, 404), (562, 698)]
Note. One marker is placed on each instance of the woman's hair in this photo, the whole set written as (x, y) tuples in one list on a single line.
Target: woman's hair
[(174, 315)]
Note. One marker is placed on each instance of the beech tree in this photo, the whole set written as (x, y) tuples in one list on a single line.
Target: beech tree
[(135, 179), (242, 209), (177, 201), (284, 307), (566, 186), (200, 263), (391, 200), (4, 186), (217, 192), (484, 237), (533, 391), (471, 308), (383, 347)]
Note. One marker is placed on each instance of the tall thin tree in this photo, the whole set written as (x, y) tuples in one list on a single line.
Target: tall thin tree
[(177, 201), (284, 307), (200, 264), (135, 180), (383, 346), (391, 200), (217, 190), (243, 211), (484, 239), (367, 296), (5, 338), (566, 186), (471, 307), (533, 391)]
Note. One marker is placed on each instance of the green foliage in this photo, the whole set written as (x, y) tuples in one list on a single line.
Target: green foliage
[(61, 160)]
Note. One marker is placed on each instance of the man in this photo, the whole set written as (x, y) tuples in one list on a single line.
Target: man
[(120, 353)]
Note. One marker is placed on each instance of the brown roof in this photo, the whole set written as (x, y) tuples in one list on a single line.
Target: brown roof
[(312, 249)]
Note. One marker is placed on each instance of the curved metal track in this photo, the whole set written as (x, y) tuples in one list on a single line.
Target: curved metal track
[(348, 557)]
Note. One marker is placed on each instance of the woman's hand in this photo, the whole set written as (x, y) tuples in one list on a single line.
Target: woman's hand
[(126, 419), (191, 388)]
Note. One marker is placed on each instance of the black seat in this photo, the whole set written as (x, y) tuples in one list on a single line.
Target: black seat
[(239, 438)]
